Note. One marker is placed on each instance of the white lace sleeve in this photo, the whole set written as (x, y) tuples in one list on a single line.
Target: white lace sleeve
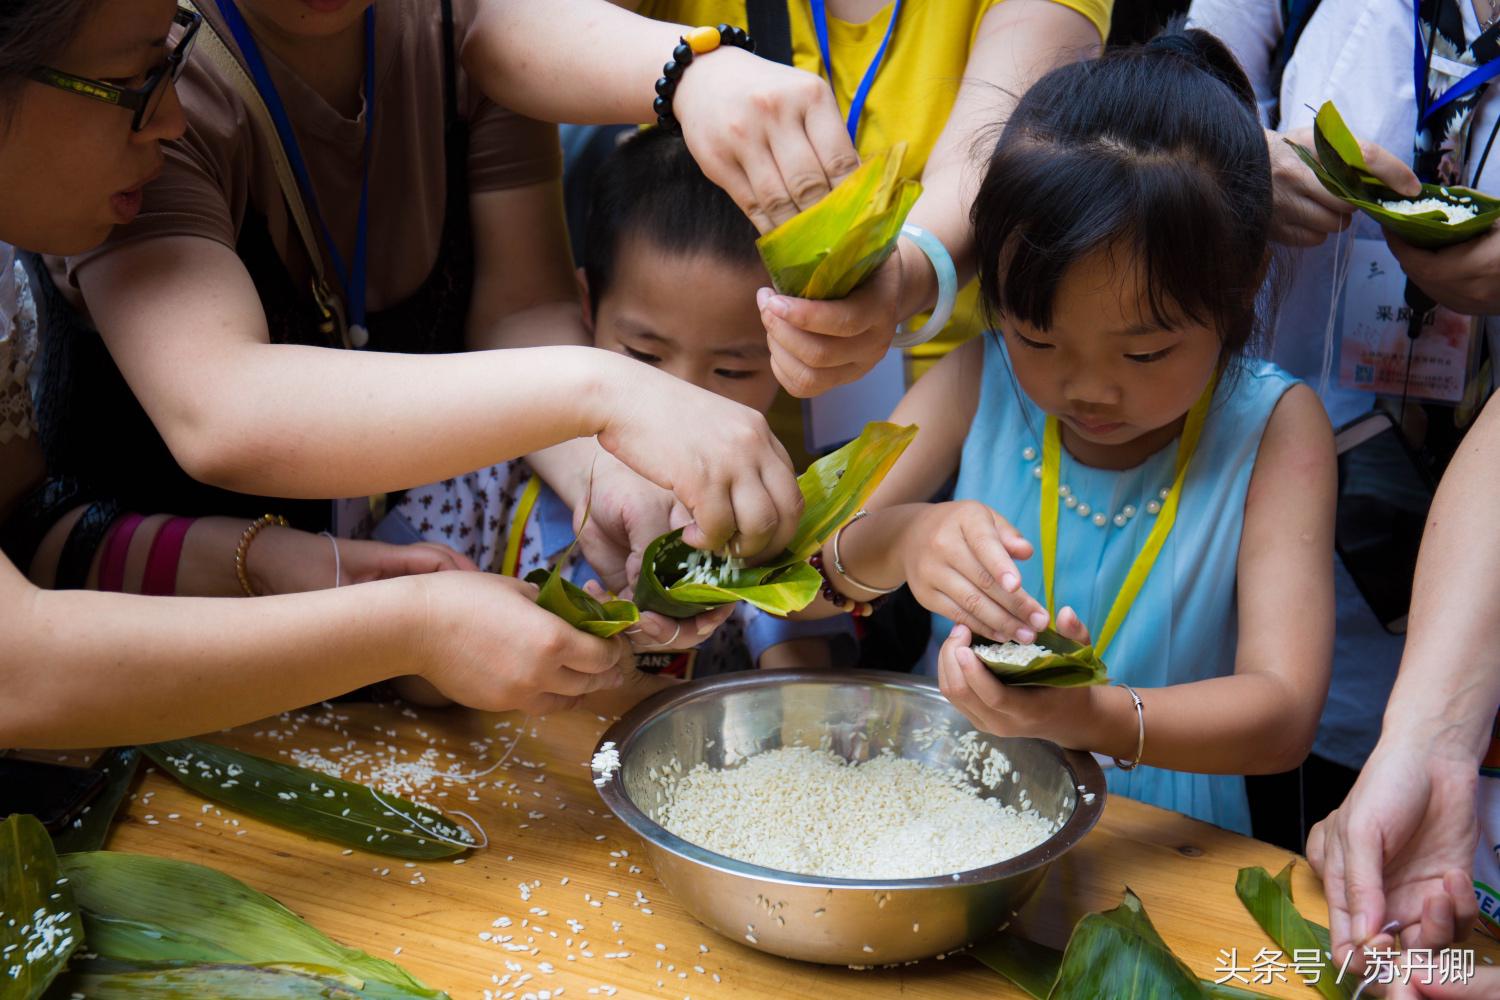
[(17, 348)]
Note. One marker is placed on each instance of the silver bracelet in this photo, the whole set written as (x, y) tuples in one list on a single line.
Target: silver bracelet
[(338, 567), (838, 561), (1140, 740)]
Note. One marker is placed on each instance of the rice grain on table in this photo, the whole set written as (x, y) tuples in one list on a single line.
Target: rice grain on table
[(809, 811)]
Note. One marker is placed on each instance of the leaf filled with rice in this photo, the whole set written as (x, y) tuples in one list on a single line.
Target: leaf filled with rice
[(1441, 216), (680, 581), (1052, 661)]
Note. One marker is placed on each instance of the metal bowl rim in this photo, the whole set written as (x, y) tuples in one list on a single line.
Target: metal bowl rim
[(1084, 771)]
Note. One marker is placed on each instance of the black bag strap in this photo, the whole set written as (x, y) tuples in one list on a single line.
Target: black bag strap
[(1294, 17), (771, 27)]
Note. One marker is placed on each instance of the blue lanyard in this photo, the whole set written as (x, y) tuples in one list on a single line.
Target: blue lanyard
[(1422, 56), (353, 280), (862, 93)]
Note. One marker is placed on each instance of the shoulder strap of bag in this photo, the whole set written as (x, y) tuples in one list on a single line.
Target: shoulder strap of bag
[(771, 27), (212, 47), (1294, 17)]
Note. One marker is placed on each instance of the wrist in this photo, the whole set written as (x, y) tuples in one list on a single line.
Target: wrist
[(601, 390), (918, 285), (1105, 723)]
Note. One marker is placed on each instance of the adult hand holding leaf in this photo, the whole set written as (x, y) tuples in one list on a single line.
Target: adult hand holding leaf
[(1304, 211), (680, 582), (1341, 165), (842, 249)]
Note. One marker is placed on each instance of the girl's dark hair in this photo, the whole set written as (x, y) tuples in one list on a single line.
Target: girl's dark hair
[(32, 33), (1155, 149), (651, 186)]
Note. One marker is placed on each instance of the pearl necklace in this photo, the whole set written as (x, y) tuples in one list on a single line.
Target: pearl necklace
[(1086, 510)]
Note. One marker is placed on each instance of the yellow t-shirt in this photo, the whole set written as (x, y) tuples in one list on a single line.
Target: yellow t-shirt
[(911, 97)]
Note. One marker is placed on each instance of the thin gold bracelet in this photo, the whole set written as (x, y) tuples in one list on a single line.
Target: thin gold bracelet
[(242, 550), (838, 561), (1140, 739)]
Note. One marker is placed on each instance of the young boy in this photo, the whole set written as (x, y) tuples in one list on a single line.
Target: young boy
[(669, 276)]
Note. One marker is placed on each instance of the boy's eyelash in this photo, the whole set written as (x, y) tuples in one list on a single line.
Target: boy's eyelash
[(731, 373), (649, 359), (1146, 359)]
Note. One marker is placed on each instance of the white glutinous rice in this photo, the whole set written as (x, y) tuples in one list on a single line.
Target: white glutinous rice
[(705, 567), (1455, 213), (605, 763), (805, 810), (1016, 654)]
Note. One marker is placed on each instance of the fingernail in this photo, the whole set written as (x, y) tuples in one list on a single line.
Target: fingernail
[(779, 306), (954, 634), (1010, 581), (619, 680), (1024, 635), (1038, 619), (761, 295)]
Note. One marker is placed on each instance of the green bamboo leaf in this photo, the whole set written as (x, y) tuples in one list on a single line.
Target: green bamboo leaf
[(1341, 168), (1119, 954), (1270, 903), (39, 925), (242, 982), (1031, 966), (89, 831), (1034, 968), (155, 911), (833, 489), (575, 606), (1071, 664), (837, 485), (828, 250), (311, 803)]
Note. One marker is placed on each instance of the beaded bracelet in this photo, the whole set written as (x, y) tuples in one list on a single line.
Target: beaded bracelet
[(243, 548), (698, 42), (859, 609)]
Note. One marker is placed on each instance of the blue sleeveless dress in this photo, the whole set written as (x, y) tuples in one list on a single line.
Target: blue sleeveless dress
[(1183, 625)]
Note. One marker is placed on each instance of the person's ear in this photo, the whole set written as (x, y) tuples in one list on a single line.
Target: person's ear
[(586, 299)]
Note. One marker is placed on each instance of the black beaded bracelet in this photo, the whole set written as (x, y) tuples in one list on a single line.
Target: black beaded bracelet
[(699, 41)]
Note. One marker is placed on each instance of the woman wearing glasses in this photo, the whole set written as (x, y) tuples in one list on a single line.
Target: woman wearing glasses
[(344, 216), (84, 668)]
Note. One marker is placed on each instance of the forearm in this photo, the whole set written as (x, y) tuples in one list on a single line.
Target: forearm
[(1449, 683), (1018, 42), (82, 668), (874, 550), (510, 53), (1245, 723), (318, 423)]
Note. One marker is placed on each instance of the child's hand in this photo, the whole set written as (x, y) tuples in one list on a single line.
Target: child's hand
[(657, 633), (1062, 715), (286, 561), (960, 562)]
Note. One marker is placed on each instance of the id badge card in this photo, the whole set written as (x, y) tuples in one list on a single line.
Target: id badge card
[(1373, 342)]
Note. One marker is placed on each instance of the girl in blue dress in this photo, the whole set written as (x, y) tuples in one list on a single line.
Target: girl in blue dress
[(1119, 460)]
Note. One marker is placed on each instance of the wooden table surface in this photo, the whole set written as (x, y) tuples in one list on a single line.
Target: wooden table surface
[(547, 828)]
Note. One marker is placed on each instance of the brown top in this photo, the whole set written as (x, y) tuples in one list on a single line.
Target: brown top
[(221, 169)]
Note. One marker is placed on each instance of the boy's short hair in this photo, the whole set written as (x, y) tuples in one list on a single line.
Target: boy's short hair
[(651, 186)]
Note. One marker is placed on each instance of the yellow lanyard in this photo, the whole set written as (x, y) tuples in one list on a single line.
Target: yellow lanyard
[(511, 564), (1141, 568)]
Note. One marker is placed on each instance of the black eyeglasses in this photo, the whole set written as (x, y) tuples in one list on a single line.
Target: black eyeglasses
[(145, 99)]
